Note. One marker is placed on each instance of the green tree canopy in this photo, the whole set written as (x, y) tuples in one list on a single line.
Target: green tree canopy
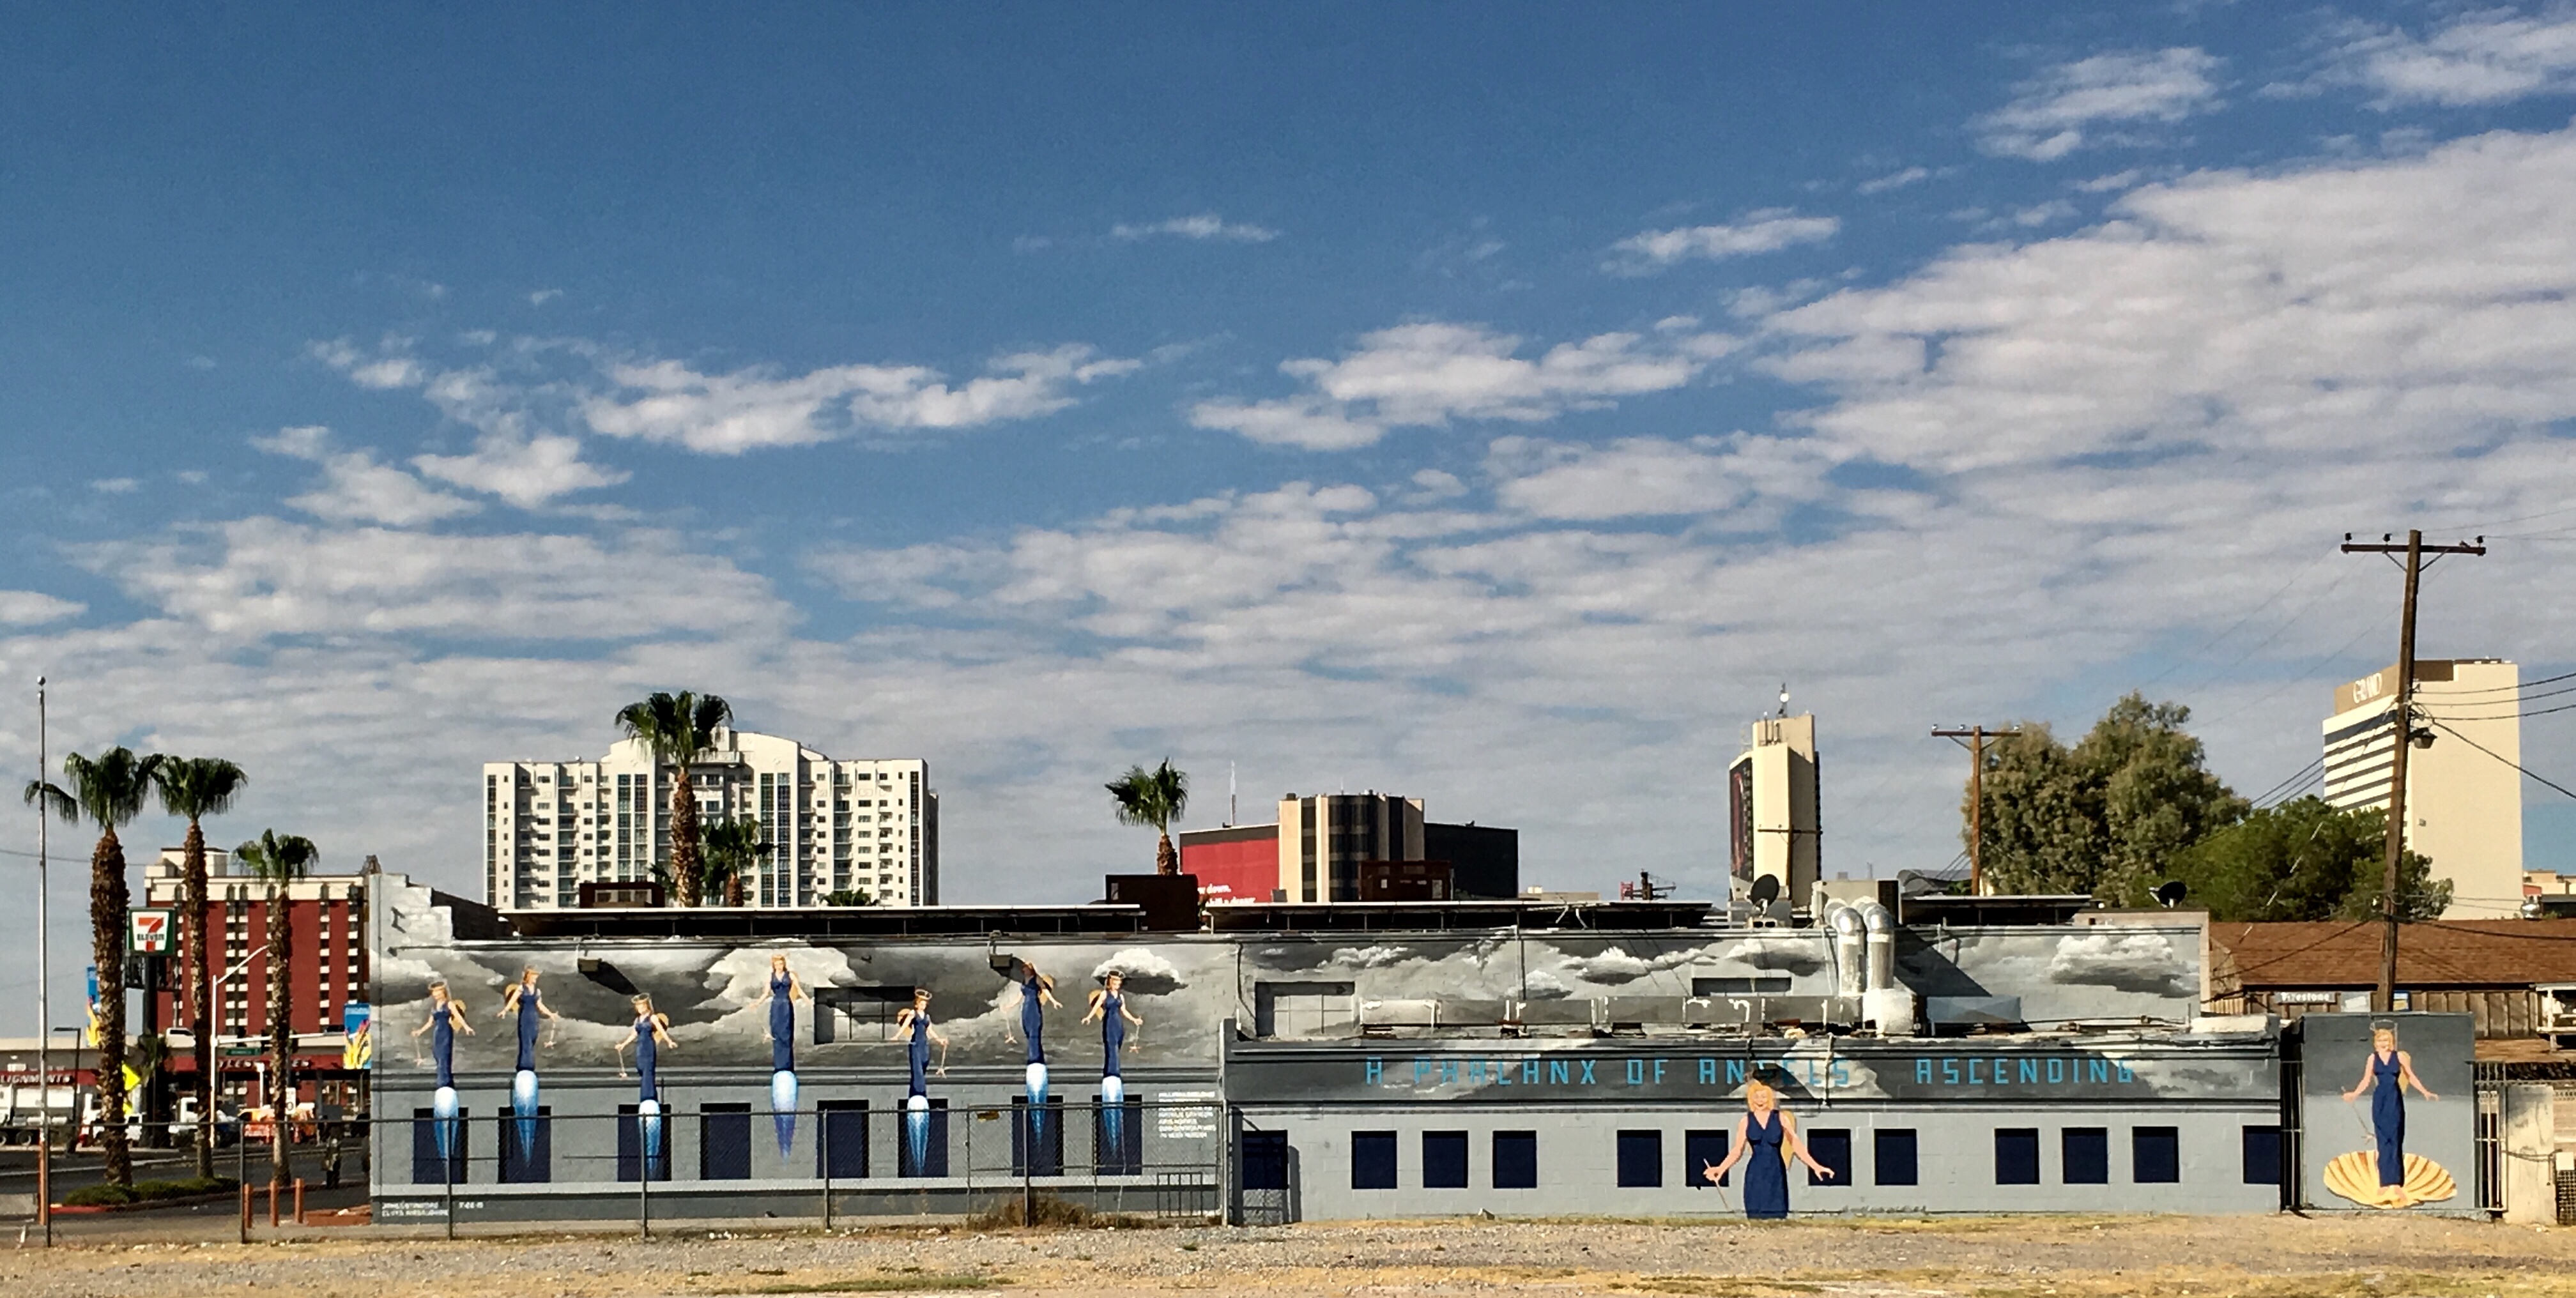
[(2305, 860), (676, 728), (2106, 816)]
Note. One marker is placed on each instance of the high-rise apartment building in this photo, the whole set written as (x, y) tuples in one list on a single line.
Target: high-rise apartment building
[(2463, 805), (867, 828), (1774, 816), (1314, 851)]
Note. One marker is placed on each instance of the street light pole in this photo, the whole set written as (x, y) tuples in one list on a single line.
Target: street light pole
[(44, 998)]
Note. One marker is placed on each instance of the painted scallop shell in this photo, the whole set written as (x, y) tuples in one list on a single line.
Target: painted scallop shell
[(2355, 1176)]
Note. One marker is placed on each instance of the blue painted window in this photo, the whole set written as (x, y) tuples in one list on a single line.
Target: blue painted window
[(425, 1169), (2155, 1155), (2085, 1156), (842, 1150), (1832, 1148), (1444, 1160), (1641, 1159), (1702, 1150), (724, 1142), (1893, 1155), (2263, 1156), (1372, 1160), (1265, 1160), (2017, 1156), (1515, 1160), (527, 1146)]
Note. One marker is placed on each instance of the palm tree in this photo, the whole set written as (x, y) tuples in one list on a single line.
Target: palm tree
[(676, 728), (198, 787), (108, 792), (1156, 797), (278, 862), (733, 850)]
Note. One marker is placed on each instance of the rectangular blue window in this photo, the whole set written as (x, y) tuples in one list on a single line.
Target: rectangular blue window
[(1515, 1160), (1372, 1160), (1641, 1159), (724, 1143), (425, 1162), (1444, 1160), (2084, 1156), (1264, 1160), (1892, 1155), (2263, 1156), (842, 1149), (1833, 1149), (2155, 1155), (2017, 1156), (1702, 1150), (527, 1147)]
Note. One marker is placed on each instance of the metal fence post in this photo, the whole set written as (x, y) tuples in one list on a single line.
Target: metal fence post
[(643, 1181), (447, 1165)]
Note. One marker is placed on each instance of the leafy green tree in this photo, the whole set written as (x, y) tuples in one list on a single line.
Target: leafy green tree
[(845, 897), (194, 788), (676, 728), (2305, 860), (1156, 797), (109, 793), (2103, 817), (279, 862)]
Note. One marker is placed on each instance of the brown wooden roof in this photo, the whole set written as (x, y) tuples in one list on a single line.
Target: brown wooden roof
[(2343, 954)]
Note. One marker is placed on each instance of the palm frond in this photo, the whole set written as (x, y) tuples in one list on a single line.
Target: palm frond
[(193, 788), (278, 859), (1156, 797)]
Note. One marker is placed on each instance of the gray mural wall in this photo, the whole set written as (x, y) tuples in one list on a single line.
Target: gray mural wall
[(2341, 1137)]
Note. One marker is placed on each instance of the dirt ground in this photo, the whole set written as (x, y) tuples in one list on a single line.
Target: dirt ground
[(2267, 1257)]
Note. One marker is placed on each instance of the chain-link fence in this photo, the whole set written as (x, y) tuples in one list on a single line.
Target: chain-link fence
[(836, 1163)]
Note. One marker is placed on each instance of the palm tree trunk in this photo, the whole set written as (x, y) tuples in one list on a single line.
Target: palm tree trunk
[(684, 839), (194, 969), (108, 900), (733, 889), (281, 1036), (1166, 861)]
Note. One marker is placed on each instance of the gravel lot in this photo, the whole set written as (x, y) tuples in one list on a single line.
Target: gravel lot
[(2273, 1257)]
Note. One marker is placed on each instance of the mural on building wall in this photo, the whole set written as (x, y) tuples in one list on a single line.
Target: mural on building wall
[(2385, 1111), (913, 1025), (446, 1019), (780, 993), (650, 1034), (1108, 1007), (528, 1004), (844, 1012), (2385, 1175), (1766, 1142)]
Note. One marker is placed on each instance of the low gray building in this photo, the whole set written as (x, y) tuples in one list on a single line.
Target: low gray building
[(1321, 1062)]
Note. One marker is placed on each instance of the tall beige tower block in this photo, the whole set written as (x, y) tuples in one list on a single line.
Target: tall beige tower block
[(2463, 795), (1772, 791)]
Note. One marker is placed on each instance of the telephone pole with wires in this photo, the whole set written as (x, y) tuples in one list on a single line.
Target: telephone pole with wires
[(2403, 735), (1976, 746)]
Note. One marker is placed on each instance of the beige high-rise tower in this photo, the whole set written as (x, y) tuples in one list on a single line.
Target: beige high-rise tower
[(2463, 805), (1775, 826)]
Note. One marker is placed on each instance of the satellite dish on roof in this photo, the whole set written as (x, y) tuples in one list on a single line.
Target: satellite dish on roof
[(2171, 892), (1766, 890)]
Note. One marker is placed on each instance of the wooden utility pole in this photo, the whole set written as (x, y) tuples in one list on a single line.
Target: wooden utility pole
[(2402, 737), (1976, 737)]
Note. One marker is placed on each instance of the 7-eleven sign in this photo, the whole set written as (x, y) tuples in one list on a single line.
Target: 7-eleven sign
[(150, 932)]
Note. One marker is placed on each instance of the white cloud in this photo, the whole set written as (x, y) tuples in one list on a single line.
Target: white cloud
[(389, 367), (1769, 230), (1429, 374), (1203, 227), (358, 489), (2069, 106), (115, 486), (263, 577), (2484, 56), (543, 296), (1637, 477), (1895, 180), (33, 608), (728, 414)]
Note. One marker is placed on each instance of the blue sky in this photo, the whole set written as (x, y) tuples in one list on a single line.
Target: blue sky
[(1492, 405)]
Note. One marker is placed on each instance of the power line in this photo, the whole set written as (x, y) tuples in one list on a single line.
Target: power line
[(2504, 759), (2510, 716), (2306, 773), (2232, 628), (2508, 689)]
